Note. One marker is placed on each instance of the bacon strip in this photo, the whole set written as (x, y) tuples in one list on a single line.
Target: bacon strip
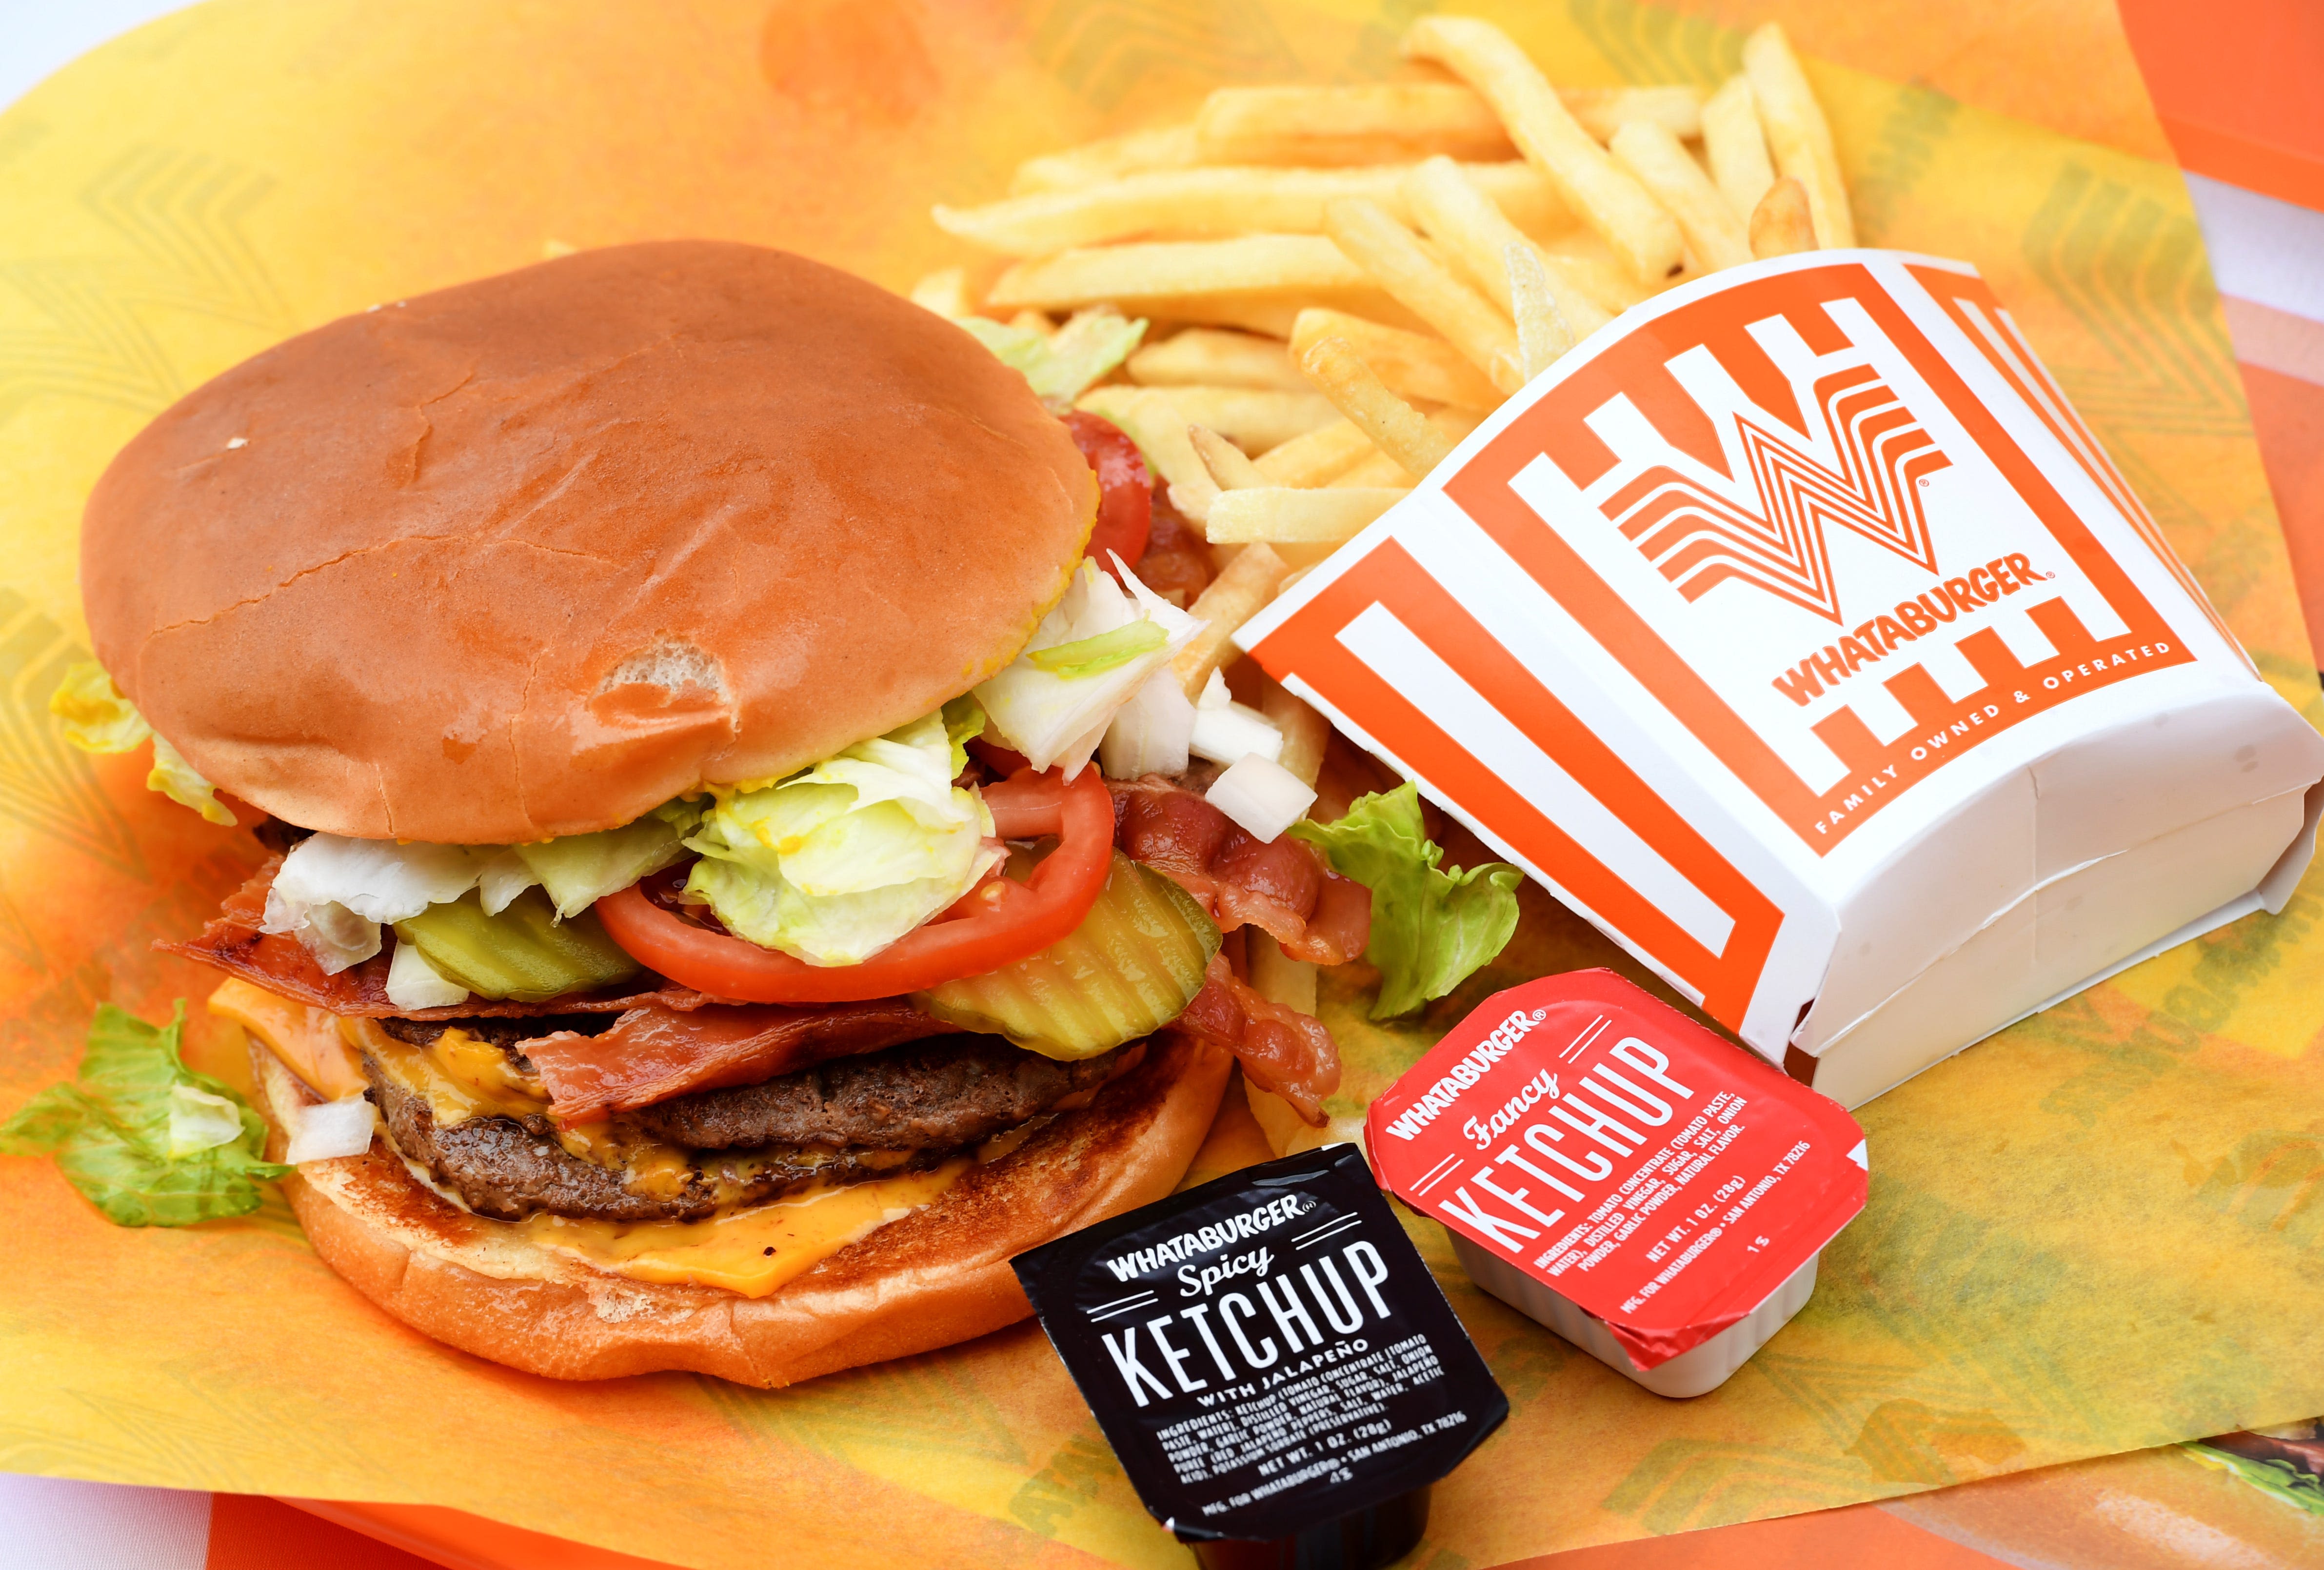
[(1280, 1048), (282, 965), (1282, 888), (652, 1053)]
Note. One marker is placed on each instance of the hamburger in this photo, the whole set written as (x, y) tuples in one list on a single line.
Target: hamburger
[(738, 874)]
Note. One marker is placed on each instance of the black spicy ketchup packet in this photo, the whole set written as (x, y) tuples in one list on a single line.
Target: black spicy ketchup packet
[(1278, 1371)]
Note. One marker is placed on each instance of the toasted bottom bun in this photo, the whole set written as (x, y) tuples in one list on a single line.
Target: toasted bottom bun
[(938, 1276)]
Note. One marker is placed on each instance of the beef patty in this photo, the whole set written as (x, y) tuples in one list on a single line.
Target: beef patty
[(944, 1093), (914, 1106)]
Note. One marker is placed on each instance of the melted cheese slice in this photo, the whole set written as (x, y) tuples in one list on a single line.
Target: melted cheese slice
[(306, 1038), (751, 1250)]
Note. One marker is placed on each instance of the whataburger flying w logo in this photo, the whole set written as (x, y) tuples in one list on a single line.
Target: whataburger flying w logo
[(1698, 541)]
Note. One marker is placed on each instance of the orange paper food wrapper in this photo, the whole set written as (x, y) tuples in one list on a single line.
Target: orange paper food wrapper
[(2093, 1232)]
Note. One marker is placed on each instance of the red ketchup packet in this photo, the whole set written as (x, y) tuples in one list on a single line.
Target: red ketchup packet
[(1609, 1168)]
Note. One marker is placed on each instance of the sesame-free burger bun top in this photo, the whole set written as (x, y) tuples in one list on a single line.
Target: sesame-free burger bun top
[(533, 555)]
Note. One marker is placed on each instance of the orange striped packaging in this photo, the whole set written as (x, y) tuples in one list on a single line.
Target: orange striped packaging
[(1796, 631)]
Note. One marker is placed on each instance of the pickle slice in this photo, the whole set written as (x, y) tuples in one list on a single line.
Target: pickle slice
[(1132, 966), (523, 955)]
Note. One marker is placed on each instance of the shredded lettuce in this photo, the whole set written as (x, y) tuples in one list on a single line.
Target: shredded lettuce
[(1057, 717), (964, 721), (834, 864), (1096, 656), (502, 877), (97, 717), (333, 893), (581, 869), (134, 1132), (178, 780), (1061, 365), (1432, 929)]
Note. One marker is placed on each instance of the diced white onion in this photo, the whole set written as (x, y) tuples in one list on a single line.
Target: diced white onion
[(331, 1129), (1227, 734), (1059, 720), (1151, 732), (1261, 796), (414, 984), (199, 1120)]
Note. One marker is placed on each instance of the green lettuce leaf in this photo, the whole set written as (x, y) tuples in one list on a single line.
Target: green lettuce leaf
[(964, 721), (111, 1130), (835, 863), (97, 717), (182, 783), (1105, 652), (1061, 365), (2301, 1490), (1432, 929), (580, 868)]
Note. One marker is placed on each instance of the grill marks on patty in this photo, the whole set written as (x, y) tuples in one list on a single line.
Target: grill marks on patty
[(901, 1110), (953, 1091)]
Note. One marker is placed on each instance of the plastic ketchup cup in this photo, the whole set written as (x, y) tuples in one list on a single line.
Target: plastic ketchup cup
[(1651, 1192)]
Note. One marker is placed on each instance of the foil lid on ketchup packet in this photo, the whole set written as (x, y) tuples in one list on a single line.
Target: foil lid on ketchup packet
[(1590, 1147), (1271, 1360)]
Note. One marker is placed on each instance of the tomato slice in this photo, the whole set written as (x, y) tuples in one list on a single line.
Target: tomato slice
[(1125, 506), (997, 923)]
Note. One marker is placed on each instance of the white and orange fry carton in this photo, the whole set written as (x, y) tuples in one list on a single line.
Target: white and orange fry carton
[(1796, 631)]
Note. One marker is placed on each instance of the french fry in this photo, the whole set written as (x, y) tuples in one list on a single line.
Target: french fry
[(1453, 425), (1597, 189), (1449, 425), (1305, 732), (1464, 223), (1797, 132), (1582, 266), (1240, 592), (1782, 223), (1393, 122), (1543, 333), (1274, 975), (1389, 253), (945, 292), (1253, 263), (1370, 123), (1033, 322), (1230, 468), (1206, 356), (1395, 427), (1376, 470), (1737, 146), (1411, 364), (1316, 458), (1467, 224), (1270, 315), (1159, 429), (1717, 236), (1602, 111), (1165, 147), (1197, 203), (1283, 514), (1255, 419)]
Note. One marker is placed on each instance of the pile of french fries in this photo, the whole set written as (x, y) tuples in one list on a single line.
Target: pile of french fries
[(1341, 283)]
